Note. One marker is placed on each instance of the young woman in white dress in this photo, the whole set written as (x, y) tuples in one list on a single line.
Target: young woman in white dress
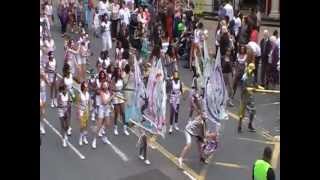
[(105, 27)]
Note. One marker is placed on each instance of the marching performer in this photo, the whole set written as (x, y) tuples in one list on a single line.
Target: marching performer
[(176, 91), (247, 99), (103, 99), (83, 112)]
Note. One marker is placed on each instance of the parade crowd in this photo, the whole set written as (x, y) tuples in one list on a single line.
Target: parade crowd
[(146, 32)]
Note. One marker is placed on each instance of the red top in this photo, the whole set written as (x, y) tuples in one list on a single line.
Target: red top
[(254, 36)]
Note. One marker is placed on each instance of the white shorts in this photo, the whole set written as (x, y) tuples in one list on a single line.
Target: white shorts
[(43, 96), (62, 112), (81, 60), (104, 111), (51, 77), (188, 137)]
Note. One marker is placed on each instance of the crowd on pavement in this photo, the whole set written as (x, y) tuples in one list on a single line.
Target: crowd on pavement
[(147, 32)]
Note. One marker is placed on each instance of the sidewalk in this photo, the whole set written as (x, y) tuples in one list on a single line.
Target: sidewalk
[(266, 21)]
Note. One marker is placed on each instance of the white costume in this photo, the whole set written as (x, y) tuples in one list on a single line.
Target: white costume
[(106, 36)]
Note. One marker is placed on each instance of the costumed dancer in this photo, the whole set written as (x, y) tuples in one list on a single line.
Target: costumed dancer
[(196, 130), (64, 107), (247, 98), (102, 77), (83, 112), (50, 69), (175, 94), (68, 82), (118, 101), (104, 100)]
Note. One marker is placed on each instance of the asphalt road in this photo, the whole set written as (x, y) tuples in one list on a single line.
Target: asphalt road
[(119, 161)]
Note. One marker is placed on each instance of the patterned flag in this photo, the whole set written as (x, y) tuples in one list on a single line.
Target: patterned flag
[(134, 112), (216, 95), (207, 64), (157, 98), (198, 70)]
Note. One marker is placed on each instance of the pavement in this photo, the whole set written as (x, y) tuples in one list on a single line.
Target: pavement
[(119, 161)]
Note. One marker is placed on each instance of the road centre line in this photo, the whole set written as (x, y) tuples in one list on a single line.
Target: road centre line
[(255, 140), (69, 144), (188, 171)]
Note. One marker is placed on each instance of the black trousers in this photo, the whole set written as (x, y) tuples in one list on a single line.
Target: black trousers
[(114, 28), (264, 64), (143, 147), (256, 63), (63, 28)]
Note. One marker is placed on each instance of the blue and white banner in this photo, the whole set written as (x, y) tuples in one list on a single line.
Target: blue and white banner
[(216, 95)]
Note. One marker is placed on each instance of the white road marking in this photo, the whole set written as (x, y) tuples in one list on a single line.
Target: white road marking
[(69, 144), (189, 175), (121, 154)]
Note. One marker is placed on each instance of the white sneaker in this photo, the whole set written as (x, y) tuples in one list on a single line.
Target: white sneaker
[(103, 131), (147, 162), (100, 133), (115, 131), (105, 140), (170, 129), (180, 162), (85, 140), (93, 118), (176, 127), (125, 130), (55, 101), (42, 130), (52, 103), (94, 143), (141, 157), (64, 142), (69, 132), (80, 140)]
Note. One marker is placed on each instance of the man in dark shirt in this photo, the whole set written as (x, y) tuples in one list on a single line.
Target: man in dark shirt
[(262, 169)]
